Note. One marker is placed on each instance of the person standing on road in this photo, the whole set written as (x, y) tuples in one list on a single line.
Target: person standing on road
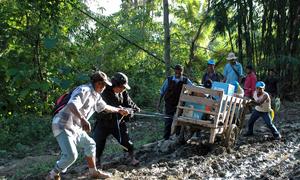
[(211, 75), (170, 91), (250, 82), (113, 123), (262, 109), (233, 70)]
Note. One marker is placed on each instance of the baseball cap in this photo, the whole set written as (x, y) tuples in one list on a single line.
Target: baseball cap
[(211, 62), (120, 78), (260, 84)]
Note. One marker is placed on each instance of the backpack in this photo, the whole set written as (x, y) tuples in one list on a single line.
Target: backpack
[(61, 102)]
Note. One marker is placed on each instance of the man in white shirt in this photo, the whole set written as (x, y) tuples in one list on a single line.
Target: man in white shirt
[(262, 109), (70, 125)]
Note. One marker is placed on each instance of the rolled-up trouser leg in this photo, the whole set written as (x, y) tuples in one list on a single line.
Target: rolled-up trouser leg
[(88, 144), (69, 152)]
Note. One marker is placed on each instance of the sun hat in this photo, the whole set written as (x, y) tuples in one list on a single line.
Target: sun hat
[(231, 56)]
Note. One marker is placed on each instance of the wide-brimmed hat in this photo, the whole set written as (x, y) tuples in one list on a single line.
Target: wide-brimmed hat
[(231, 56)]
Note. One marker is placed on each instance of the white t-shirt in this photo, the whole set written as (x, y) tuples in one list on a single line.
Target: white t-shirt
[(266, 105)]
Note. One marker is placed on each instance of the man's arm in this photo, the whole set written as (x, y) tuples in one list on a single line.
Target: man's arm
[(164, 87), (225, 73), (75, 111), (240, 69), (162, 93), (189, 82), (113, 109), (76, 103), (262, 100), (128, 102), (158, 104)]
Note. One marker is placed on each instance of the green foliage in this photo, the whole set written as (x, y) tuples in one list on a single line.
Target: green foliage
[(19, 132), (49, 47)]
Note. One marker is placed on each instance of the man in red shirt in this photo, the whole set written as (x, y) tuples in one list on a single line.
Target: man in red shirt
[(250, 81)]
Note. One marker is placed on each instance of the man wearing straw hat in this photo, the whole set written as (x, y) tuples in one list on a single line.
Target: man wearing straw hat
[(233, 70)]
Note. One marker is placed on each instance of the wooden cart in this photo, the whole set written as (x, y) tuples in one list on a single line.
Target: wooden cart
[(221, 114)]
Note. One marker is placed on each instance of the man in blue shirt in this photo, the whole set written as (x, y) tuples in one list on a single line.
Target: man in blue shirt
[(210, 75), (233, 70), (170, 91)]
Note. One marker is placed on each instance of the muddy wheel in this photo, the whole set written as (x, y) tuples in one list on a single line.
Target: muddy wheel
[(241, 118), (185, 134), (231, 136)]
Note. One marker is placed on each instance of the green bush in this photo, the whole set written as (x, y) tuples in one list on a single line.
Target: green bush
[(19, 132)]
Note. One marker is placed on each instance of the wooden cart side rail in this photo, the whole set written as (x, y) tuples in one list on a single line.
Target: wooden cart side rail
[(240, 110), (178, 111), (197, 110), (182, 120), (233, 111), (202, 90), (231, 100), (234, 108), (199, 100)]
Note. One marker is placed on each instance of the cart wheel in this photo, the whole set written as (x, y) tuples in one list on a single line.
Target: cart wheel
[(185, 134), (188, 133), (231, 136)]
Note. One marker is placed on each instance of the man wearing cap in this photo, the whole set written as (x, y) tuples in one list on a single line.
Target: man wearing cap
[(114, 123), (262, 109), (210, 75), (233, 70), (70, 125), (170, 91)]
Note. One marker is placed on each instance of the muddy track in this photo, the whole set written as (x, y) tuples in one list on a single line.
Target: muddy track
[(256, 157)]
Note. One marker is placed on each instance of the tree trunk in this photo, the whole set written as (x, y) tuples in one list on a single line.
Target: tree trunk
[(167, 49), (294, 24), (246, 32), (251, 32), (263, 30), (239, 41), (281, 26), (230, 38), (37, 58)]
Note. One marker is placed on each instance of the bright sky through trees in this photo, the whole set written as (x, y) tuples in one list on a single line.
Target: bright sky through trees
[(104, 7)]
